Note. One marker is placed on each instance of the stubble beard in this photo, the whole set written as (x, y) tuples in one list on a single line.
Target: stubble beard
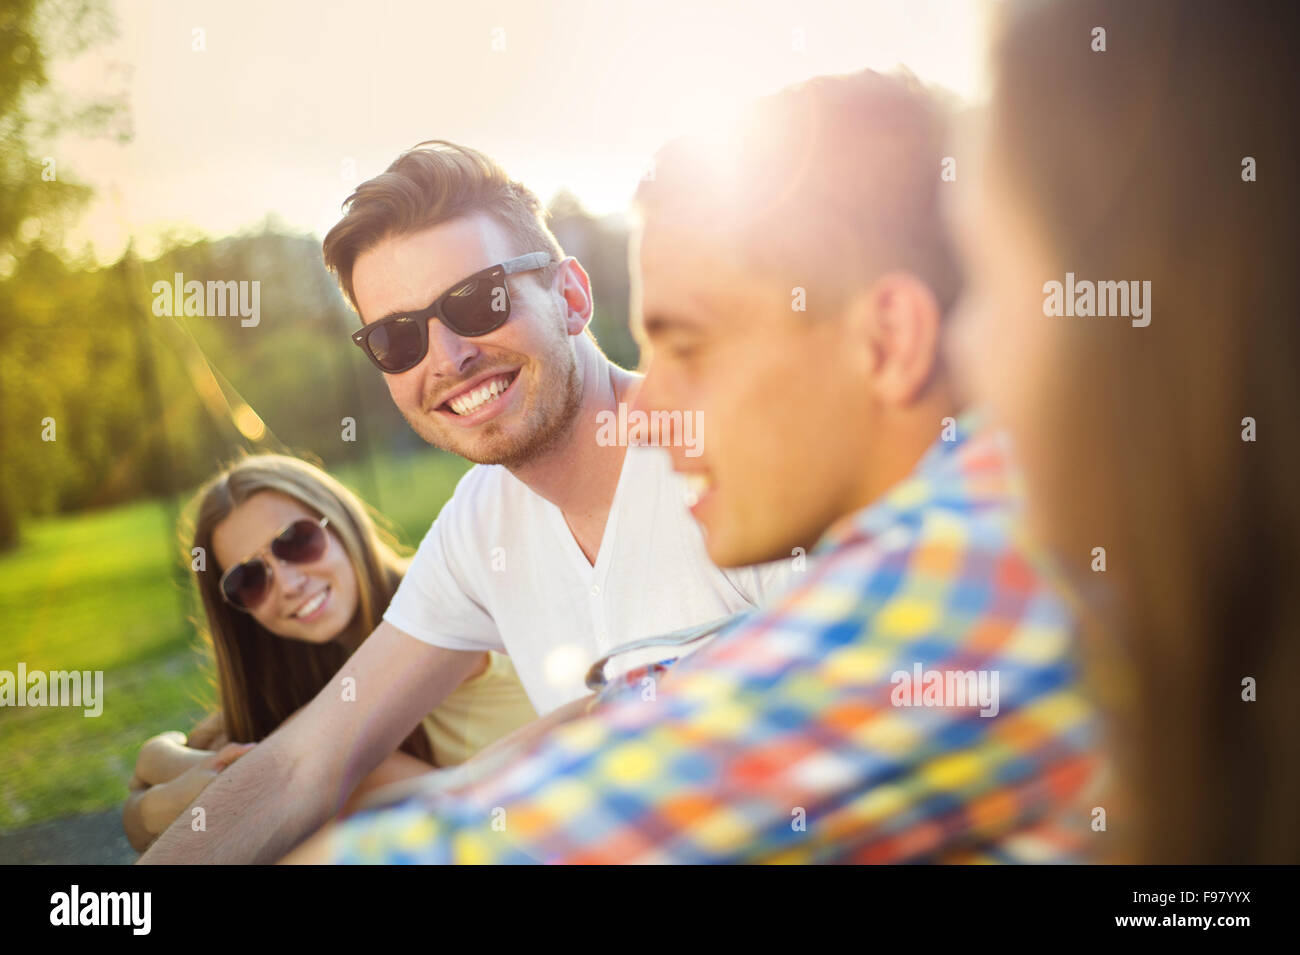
[(543, 427)]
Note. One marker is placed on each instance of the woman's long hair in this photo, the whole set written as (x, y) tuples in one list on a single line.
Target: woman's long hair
[(1136, 163), (262, 678)]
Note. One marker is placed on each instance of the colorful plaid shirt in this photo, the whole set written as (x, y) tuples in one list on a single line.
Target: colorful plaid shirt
[(816, 730)]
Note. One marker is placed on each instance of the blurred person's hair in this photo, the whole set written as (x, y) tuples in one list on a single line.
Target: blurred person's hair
[(829, 184), (1130, 163), (432, 183), (263, 679)]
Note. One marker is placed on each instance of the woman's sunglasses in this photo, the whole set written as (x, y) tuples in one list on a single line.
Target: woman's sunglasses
[(470, 308), (247, 584)]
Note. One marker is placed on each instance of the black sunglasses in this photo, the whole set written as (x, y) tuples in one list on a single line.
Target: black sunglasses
[(246, 584), (470, 308)]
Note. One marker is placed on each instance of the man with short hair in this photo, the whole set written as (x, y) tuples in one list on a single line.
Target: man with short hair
[(913, 697), (560, 546)]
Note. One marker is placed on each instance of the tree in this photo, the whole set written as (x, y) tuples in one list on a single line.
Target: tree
[(35, 197)]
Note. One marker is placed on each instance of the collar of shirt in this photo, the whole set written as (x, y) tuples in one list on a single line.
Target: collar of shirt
[(967, 465)]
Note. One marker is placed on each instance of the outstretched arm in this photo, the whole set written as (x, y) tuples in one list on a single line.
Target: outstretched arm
[(302, 774), (150, 809)]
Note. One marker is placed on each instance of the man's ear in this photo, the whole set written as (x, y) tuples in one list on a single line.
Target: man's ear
[(574, 285), (902, 323)]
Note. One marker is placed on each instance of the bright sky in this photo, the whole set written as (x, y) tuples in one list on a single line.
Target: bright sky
[(293, 102)]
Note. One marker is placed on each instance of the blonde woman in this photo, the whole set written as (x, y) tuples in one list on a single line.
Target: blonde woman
[(297, 576)]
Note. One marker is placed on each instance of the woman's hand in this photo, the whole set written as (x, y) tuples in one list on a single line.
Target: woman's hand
[(209, 733), (168, 777), (164, 757)]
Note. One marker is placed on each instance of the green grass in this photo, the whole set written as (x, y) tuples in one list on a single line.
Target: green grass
[(410, 489), (101, 591)]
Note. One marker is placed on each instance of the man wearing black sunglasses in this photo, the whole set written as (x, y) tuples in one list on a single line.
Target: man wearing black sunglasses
[(560, 548), (474, 307)]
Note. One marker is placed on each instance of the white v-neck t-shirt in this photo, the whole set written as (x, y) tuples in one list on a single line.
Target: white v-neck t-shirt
[(500, 570)]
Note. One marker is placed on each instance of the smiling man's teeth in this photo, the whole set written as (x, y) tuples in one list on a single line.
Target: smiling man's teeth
[(696, 485), (311, 606), (473, 400)]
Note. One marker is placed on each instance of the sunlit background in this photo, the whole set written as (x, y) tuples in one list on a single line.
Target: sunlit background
[(289, 104)]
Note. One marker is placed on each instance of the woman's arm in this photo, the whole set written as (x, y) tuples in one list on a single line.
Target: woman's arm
[(164, 757)]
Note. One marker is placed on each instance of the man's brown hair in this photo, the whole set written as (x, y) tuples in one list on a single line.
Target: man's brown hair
[(434, 182), (835, 181)]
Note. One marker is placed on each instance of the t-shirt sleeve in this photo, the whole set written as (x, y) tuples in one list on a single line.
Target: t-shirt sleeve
[(437, 601)]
